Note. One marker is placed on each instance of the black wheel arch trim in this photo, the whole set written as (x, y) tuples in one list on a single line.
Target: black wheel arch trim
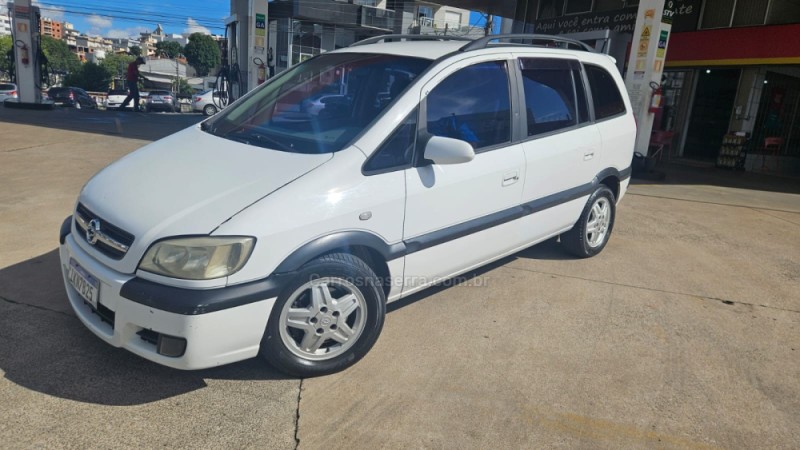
[(342, 239)]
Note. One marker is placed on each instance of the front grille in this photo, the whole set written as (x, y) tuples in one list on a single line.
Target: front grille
[(114, 233)]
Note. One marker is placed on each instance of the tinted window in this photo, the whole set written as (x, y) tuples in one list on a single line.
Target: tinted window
[(472, 105), (7, 87), (398, 150), (605, 94), (289, 113), (554, 97)]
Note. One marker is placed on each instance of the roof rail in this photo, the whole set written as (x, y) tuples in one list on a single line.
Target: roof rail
[(408, 37), (483, 42)]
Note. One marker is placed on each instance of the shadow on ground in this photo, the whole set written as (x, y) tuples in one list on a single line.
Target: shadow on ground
[(688, 172), (149, 126), (44, 347)]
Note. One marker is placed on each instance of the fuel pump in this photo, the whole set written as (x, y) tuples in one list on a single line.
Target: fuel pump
[(30, 65)]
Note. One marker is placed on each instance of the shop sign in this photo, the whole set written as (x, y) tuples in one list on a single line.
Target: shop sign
[(623, 20)]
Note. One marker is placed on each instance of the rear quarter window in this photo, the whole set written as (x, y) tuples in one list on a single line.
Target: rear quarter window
[(606, 97)]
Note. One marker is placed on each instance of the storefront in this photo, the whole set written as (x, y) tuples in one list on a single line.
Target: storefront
[(736, 80)]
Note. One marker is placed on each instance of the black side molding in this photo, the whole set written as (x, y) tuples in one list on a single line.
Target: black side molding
[(192, 302), (66, 228)]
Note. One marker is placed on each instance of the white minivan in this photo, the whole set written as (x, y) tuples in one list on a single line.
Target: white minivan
[(273, 230)]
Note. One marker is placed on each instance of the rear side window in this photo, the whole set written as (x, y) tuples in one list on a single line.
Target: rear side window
[(554, 97), (605, 93), (472, 105)]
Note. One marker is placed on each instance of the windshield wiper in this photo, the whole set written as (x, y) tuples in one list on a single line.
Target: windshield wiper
[(251, 138)]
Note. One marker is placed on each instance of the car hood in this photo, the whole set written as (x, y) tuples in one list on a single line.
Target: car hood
[(187, 184)]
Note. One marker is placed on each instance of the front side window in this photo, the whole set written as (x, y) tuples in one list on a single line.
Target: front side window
[(605, 94), (398, 150), (554, 97), (321, 105), (472, 105)]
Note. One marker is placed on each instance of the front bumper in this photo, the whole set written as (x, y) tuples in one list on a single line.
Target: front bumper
[(228, 332)]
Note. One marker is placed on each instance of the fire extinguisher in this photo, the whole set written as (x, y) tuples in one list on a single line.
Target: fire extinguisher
[(23, 52), (656, 98), (262, 70)]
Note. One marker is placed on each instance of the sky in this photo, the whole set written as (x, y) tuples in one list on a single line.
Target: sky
[(128, 19)]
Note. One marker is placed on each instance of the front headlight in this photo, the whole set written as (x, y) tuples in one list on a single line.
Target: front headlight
[(198, 258)]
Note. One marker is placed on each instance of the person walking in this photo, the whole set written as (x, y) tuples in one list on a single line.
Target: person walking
[(133, 77)]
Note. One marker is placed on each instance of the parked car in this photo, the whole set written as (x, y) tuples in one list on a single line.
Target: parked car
[(116, 97), (268, 231), (71, 96), (162, 101), (209, 102), (8, 90)]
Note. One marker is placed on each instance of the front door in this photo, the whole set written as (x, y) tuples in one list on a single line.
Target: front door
[(459, 216)]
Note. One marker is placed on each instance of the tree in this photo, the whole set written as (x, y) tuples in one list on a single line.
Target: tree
[(59, 57), (202, 52), (184, 88), (90, 76), (135, 50), (117, 64), (171, 48), (5, 48)]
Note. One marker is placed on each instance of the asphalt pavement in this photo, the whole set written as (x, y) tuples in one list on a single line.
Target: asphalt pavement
[(683, 333)]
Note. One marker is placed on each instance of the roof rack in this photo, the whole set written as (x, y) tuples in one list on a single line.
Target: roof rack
[(483, 42), (408, 37)]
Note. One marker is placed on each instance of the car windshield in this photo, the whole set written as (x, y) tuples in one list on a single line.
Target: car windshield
[(321, 105), (7, 87)]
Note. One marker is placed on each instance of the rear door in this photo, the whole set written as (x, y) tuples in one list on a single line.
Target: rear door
[(561, 147)]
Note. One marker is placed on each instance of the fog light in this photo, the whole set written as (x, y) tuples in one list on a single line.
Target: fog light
[(171, 346)]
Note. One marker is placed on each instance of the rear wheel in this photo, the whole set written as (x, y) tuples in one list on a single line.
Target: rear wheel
[(590, 235), (327, 318), (209, 110)]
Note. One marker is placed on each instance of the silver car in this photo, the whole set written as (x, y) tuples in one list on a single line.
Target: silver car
[(8, 90), (209, 102)]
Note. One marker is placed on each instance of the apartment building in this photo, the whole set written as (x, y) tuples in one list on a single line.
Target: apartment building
[(52, 28)]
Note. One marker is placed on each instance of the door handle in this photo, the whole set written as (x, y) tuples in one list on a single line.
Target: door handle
[(588, 155), (510, 178)]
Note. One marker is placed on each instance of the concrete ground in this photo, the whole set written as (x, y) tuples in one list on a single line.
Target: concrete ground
[(682, 333)]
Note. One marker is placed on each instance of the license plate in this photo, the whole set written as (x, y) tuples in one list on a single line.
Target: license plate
[(156, 100), (87, 286)]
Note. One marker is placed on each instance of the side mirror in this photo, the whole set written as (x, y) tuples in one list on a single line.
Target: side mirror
[(443, 150)]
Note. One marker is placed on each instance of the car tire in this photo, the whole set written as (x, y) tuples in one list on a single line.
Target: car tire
[(209, 110), (326, 319), (590, 234)]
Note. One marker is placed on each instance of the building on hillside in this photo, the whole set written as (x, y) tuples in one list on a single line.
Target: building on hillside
[(92, 48), (6, 24), (179, 38), (162, 73), (123, 45), (50, 27), (149, 39), (71, 36)]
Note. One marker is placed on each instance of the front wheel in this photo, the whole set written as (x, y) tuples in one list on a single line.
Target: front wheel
[(590, 234), (328, 317)]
